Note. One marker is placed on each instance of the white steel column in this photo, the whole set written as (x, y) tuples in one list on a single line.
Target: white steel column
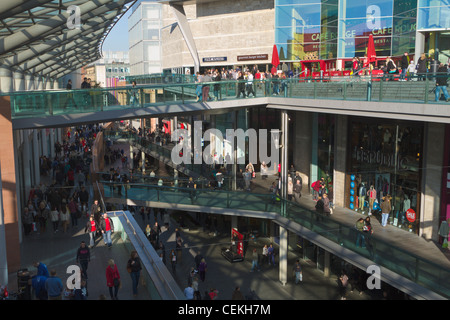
[(283, 263), (35, 156), (52, 143)]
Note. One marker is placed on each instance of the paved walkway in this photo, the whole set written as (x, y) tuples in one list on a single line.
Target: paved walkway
[(58, 250)]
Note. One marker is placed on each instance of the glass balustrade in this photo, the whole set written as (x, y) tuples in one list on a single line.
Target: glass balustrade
[(360, 88)]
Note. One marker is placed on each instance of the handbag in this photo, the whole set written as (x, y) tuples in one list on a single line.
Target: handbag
[(116, 282)]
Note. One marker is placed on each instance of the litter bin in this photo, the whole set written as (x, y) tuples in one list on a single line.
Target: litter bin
[(23, 287)]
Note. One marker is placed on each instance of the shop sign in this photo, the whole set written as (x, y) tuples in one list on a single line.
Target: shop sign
[(214, 59), (379, 158), (411, 215), (250, 57)]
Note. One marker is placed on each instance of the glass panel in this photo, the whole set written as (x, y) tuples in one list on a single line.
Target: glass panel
[(370, 9), (433, 17)]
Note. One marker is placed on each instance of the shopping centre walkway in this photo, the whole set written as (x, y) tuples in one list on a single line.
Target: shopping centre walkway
[(348, 96), (411, 251), (222, 275)]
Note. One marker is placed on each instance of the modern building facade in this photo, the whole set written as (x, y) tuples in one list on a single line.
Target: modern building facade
[(244, 32), (144, 28)]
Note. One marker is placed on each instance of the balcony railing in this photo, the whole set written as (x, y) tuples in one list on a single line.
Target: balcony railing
[(26, 104)]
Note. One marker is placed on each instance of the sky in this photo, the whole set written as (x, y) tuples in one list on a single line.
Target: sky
[(117, 39)]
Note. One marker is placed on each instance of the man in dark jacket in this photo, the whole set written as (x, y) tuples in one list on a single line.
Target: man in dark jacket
[(83, 258), (441, 82)]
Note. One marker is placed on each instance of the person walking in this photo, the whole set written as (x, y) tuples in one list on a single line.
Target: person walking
[(107, 228), (189, 292), (441, 83), (342, 283), (298, 273), (134, 268), (54, 286), (265, 254), (297, 190), (27, 220), (421, 67), (271, 255), (290, 189), (83, 258), (255, 259), (42, 269), (202, 268), (173, 260), (237, 294), (385, 210), (64, 216), (359, 226), (91, 227), (316, 186), (54, 217), (326, 204), (112, 279)]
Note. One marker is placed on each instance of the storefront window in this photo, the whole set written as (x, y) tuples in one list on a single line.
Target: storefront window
[(387, 157), (306, 30)]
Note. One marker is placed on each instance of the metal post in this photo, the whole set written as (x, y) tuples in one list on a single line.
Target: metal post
[(284, 158), (3, 255)]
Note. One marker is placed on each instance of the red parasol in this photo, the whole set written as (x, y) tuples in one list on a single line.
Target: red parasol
[(371, 54), (275, 58)]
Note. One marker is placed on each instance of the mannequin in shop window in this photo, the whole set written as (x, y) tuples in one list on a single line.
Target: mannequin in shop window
[(372, 194), (362, 196), (444, 230), (387, 140), (398, 203), (406, 206)]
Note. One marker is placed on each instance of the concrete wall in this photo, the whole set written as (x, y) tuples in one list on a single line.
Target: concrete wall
[(433, 153), (221, 29), (340, 159), (302, 145)]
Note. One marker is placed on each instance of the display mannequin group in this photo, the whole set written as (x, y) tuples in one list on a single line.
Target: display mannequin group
[(372, 194)]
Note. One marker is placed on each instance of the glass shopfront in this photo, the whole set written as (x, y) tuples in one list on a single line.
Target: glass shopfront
[(306, 29), (385, 156), (322, 30)]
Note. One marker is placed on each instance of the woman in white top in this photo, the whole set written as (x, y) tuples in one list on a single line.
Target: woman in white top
[(64, 216), (54, 216)]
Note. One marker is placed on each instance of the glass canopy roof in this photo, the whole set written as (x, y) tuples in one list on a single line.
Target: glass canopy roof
[(41, 37)]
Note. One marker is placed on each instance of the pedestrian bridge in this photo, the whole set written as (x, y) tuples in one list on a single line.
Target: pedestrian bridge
[(418, 276), (410, 100)]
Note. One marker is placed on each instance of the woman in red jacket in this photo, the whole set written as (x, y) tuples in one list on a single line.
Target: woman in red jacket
[(317, 185), (112, 279)]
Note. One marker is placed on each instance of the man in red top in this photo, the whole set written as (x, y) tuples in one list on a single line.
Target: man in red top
[(91, 226), (107, 227)]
